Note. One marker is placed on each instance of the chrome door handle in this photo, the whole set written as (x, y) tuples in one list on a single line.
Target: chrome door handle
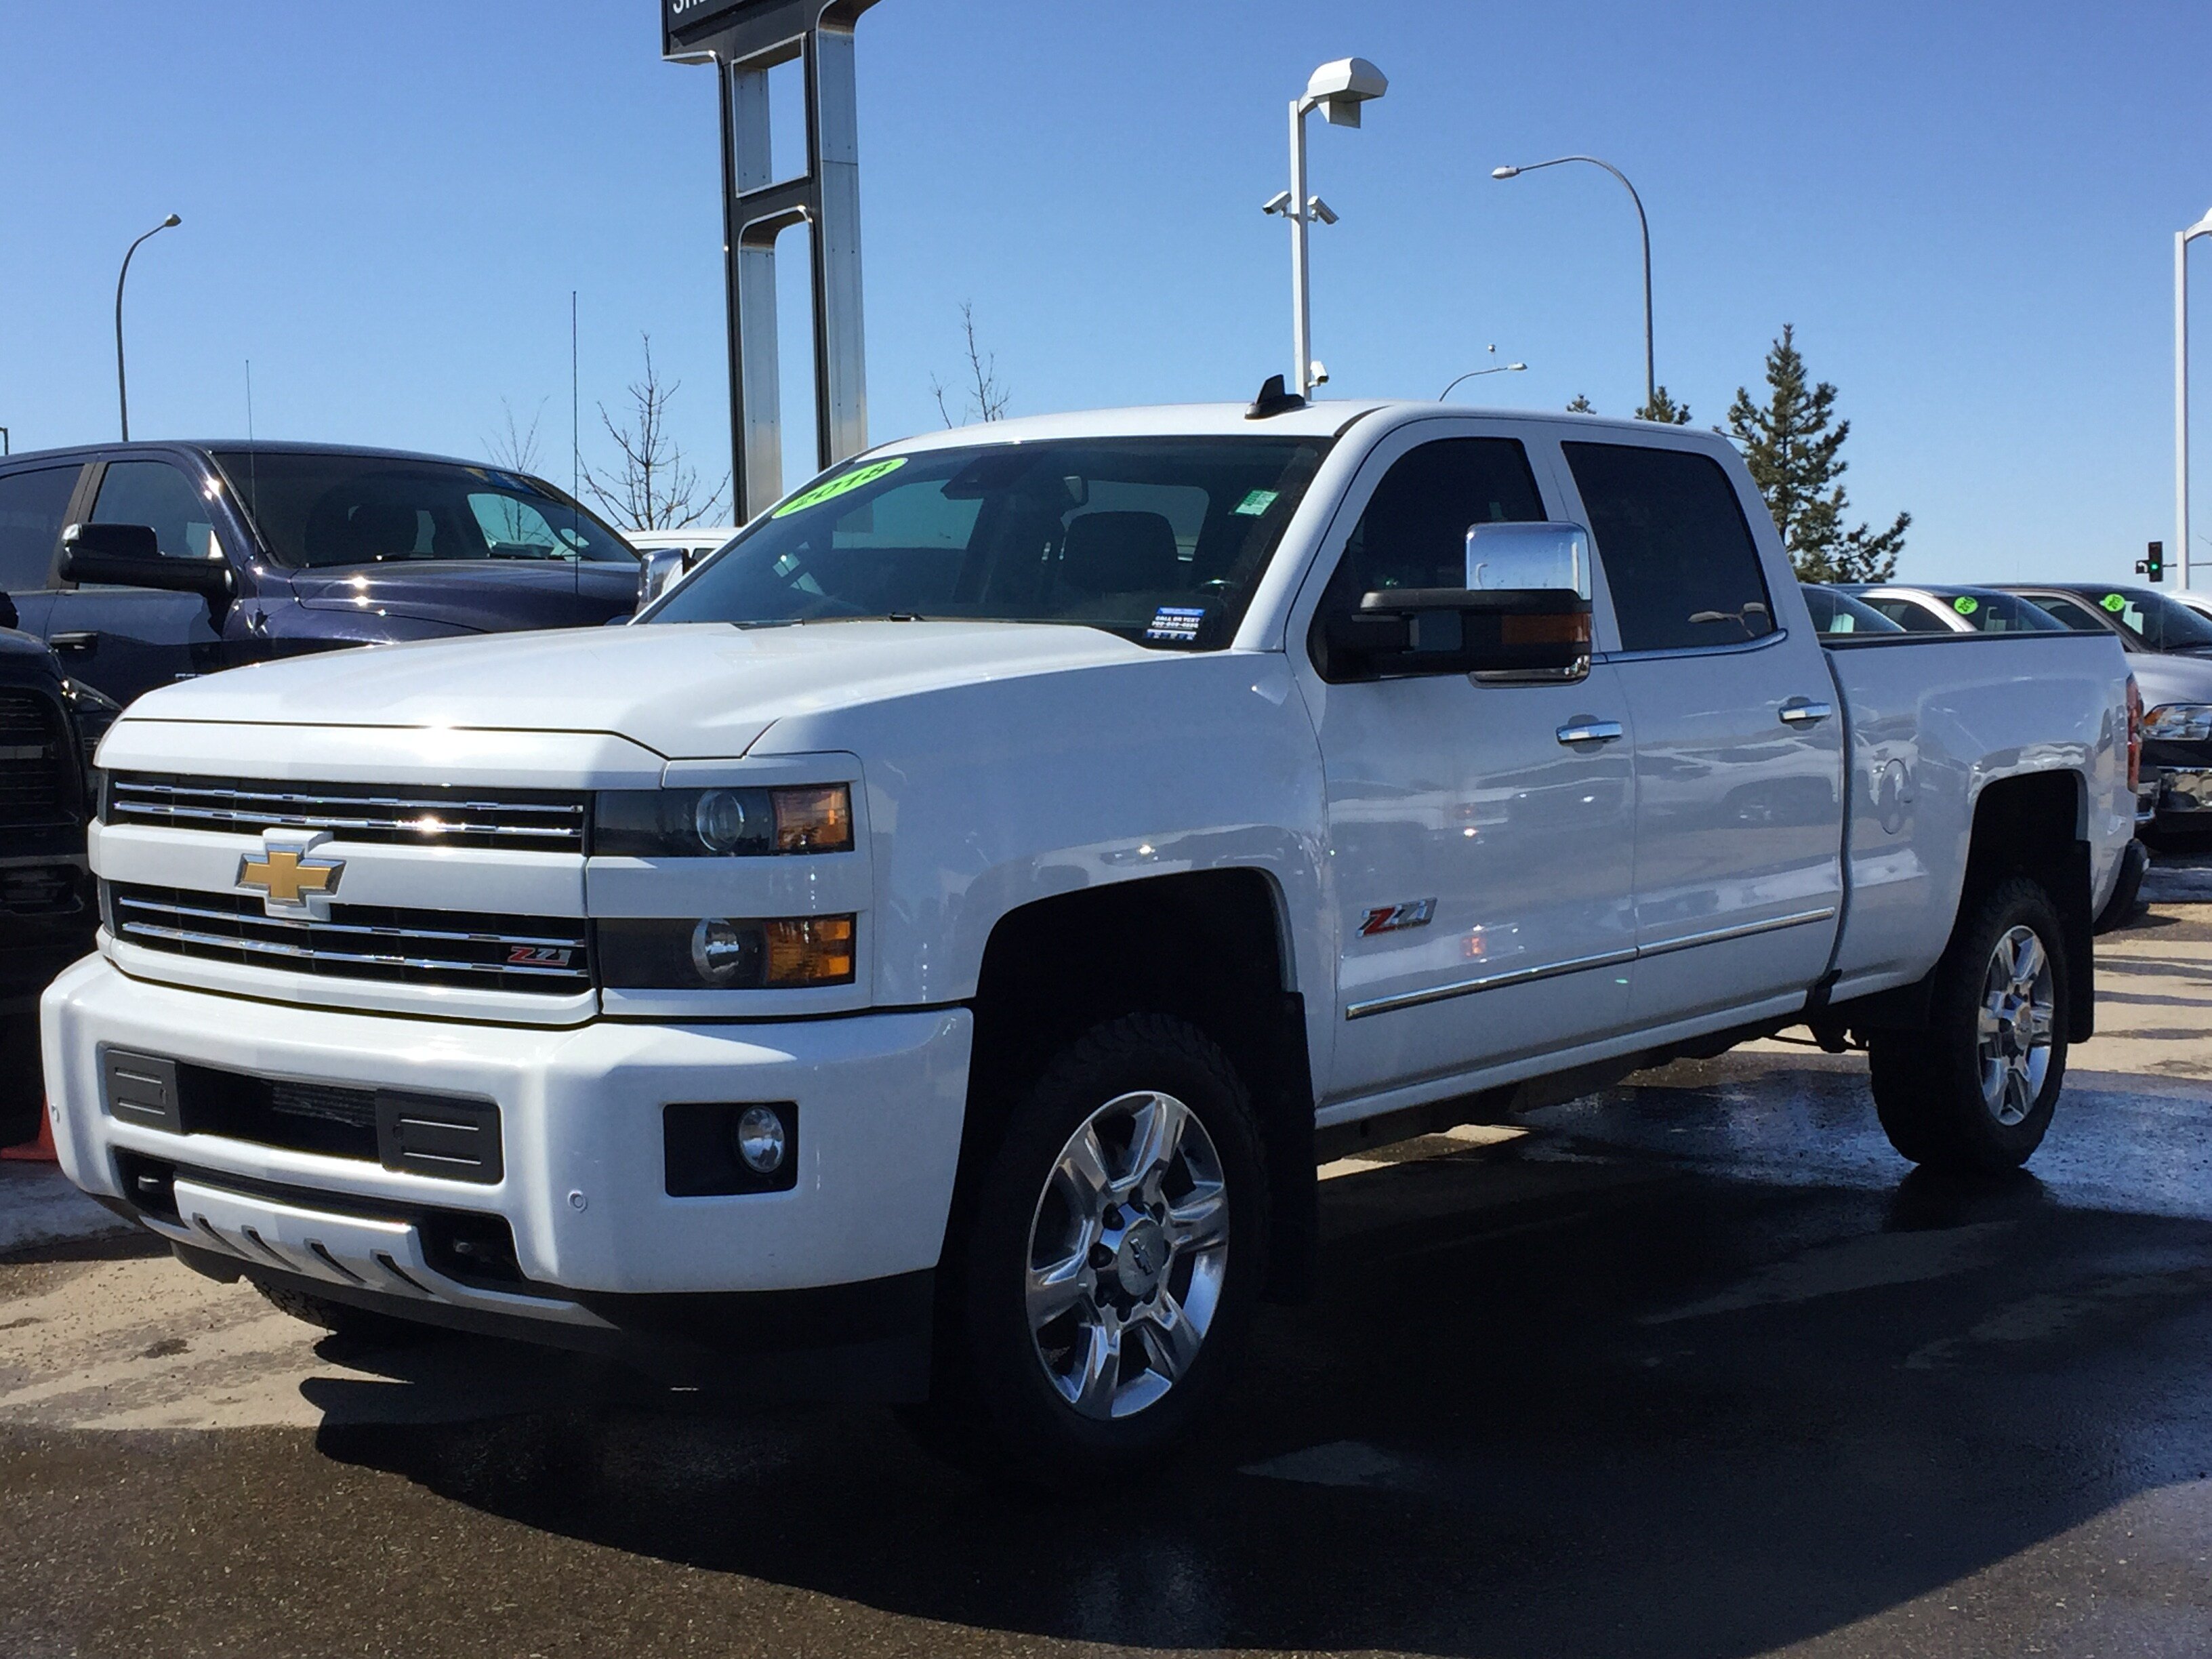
[(83, 641), (1590, 732), (1802, 713)]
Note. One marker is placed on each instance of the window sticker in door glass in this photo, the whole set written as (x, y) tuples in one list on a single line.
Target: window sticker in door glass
[(1966, 605), (843, 483), (2115, 602), (1256, 501)]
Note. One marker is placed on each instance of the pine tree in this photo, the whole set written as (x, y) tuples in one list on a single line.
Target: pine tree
[(1664, 409), (1792, 445), (1582, 405)]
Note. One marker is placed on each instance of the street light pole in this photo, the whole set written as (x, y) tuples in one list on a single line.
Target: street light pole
[(1337, 89), (2182, 238), (1477, 374), (122, 390), (1642, 226)]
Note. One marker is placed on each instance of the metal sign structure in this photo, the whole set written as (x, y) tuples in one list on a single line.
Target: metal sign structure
[(743, 40)]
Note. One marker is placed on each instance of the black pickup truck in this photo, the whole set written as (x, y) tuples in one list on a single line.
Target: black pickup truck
[(46, 911), (191, 557)]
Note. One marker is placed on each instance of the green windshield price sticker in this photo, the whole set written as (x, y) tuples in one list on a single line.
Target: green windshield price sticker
[(2115, 602), (830, 490), (1256, 502), (1966, 605)]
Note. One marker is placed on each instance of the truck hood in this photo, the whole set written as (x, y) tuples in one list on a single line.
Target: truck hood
[(698, 690), (489, 595)]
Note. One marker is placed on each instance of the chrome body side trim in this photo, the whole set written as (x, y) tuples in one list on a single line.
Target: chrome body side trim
[(1582, 964)]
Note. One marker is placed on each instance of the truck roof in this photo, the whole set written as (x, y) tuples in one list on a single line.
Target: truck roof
[(1322, 419), (258, 446)]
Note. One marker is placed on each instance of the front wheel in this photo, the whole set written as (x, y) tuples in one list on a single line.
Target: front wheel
[(1975, 1089), (1117, 1244)]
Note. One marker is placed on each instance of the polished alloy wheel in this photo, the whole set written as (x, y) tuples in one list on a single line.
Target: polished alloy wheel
[(2013, 1028), (1128, 1251)]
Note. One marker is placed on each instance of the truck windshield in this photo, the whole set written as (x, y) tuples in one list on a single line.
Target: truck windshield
[(316, 508), (1159, 540)]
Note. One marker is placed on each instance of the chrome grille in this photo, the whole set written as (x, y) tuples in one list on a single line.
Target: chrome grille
[(34, 761), (399, 815), (542, 955)]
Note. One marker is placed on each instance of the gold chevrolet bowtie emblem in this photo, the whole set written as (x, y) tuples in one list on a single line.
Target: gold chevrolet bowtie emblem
[(284, 874)]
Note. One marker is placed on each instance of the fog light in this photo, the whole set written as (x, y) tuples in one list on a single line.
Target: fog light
[(725, 954), (760, 1140)]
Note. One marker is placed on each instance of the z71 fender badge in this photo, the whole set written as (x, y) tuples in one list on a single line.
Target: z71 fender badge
[(1389, 918)]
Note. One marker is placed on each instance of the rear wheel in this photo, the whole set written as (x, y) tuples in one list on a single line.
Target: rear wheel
[(1118, 1242), (1975, 1091)]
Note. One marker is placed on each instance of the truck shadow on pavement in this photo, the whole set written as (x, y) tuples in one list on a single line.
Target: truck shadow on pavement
[(1605, 1390)]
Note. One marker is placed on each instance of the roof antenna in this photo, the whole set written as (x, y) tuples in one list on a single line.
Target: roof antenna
[(1273, 400)]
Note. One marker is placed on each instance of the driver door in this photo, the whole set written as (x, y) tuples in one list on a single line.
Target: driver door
[(125, 642), (1480, 835)]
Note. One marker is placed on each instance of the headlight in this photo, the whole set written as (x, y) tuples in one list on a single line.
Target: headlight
[(2178, 722), (716, 953), (720, 822)]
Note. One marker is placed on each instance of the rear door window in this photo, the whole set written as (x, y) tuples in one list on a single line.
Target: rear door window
[(164, 497), (1909, 615), (2071, 612), (32, 505), (1678, 554)]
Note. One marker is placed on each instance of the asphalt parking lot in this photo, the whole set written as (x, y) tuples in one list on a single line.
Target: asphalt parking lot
[(1693, 1367)]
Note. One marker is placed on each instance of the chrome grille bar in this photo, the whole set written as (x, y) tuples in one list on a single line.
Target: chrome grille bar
[(415, 947), (548, 820)]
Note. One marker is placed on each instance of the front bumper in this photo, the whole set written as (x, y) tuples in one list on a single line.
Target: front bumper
[(2184, 792), (600, 1246)]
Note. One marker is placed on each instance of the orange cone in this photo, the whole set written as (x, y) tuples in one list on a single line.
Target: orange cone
[(40, 1150)]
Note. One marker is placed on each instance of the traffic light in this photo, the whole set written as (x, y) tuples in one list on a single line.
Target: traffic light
[(2154, 566)]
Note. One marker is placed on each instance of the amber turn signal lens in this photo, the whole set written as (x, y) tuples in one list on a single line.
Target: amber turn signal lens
[(1544, 630), (810, 951), (813, 820)]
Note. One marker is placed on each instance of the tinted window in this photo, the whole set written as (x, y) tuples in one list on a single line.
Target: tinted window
[(1989, 612), (2077, 617), (31, 508), (1839, 613), (1909, 615), (1413, 533), (319, 509), (2153, 618), (1677, 553), (163, 496), (1160, 540)]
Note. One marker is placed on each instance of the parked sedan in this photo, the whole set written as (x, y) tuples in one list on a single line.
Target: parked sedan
[(1953, 610), (2169, 647)]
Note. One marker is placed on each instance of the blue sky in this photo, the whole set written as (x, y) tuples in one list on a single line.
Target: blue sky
[(1967, 211)]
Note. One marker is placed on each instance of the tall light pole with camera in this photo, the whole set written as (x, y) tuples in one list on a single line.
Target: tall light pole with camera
[(1337, 90)]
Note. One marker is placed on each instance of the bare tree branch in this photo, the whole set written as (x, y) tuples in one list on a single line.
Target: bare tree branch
[(652, 488), (988, 396), (515, 448)]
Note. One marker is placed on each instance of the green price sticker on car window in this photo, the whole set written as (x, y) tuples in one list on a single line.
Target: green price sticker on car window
[(1256, 501), (830, 489), (1966, 605), (2115, 602)]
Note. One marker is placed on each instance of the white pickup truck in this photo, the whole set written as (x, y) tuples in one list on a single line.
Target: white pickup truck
[(925, 953)]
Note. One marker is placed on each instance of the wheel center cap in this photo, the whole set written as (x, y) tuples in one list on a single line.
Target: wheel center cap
[(2023, 1026), (1142, 1259)]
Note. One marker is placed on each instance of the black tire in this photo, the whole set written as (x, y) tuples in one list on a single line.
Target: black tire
[(342, 1319), (994, 1401), (1928, 1084)]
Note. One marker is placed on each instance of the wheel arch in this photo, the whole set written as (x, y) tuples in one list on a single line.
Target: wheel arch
[(1213, 947)]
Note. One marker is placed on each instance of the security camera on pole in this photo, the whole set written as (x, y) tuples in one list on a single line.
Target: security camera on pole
[(1338, 90)]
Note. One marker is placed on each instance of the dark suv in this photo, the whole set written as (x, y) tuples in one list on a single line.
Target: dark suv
[(46, 909), (142, 563)]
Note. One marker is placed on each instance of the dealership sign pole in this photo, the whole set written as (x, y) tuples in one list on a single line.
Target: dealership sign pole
[(743, 40)]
